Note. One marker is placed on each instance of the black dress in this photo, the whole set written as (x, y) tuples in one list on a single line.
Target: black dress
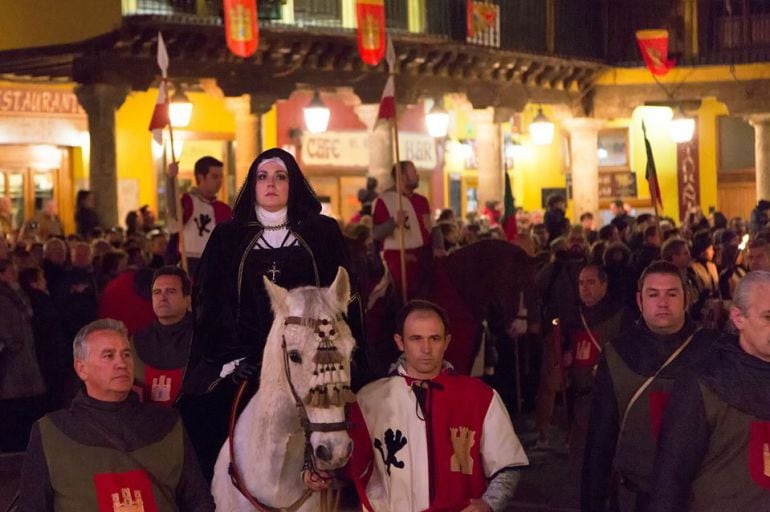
[(232, 309)]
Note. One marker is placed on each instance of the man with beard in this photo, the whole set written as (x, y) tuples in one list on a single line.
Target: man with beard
[(163, 348), (633, 381), (713, 453), (600, 320), (415, 220)]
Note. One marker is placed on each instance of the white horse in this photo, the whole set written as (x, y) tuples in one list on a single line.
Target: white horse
[(305, 366)]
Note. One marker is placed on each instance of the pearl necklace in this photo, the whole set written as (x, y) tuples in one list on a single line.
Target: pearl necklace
[(277, 227)]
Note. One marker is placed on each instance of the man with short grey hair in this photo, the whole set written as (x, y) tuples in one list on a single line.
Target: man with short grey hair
[(714, 449), (109, 450)]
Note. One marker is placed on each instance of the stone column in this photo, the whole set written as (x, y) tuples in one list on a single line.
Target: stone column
[(247, 136), (761, 124), (584, 133), (100, 102), (380, 145), (489, 157)]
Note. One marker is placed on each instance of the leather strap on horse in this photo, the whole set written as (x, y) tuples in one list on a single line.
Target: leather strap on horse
[(235, 474)]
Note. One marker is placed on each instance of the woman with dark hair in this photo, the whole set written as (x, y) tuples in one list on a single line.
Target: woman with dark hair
[(86, 217), (277, 231)]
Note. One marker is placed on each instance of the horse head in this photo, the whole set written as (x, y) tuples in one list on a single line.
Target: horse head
[(315, 349)]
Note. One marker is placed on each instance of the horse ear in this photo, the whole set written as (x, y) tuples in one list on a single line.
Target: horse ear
[(340, 289), (278, 296)]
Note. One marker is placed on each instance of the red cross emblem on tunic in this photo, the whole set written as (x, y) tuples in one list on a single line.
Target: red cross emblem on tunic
[(759, 453), (658, 403)]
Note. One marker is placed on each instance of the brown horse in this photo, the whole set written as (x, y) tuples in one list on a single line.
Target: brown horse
[(487, 277)]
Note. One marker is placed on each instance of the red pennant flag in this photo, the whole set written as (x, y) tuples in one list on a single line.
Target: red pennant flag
[(388, 101), (160, 114), (241, 29), (651, 173), (370, 15), (654, 47), (160, 117)]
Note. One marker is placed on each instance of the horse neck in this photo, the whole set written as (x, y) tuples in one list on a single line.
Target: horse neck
[(269, 430), (274, 394)]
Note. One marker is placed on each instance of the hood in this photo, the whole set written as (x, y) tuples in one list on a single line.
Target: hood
[(302, 199)]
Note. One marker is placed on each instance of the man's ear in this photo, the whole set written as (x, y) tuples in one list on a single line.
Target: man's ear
[(399, 341), (80, 369), (448, 338), (639, 300), (737, 317)]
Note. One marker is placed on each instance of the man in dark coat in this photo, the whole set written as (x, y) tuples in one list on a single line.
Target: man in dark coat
[(54, 350), (77, 293), (633, 381), (714, 449), (162, 349), (109, 451)]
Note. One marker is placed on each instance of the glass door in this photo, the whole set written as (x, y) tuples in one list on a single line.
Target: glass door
[(43, 183), (14, 190)]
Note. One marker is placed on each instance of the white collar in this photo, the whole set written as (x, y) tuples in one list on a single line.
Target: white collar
[(269, 219)]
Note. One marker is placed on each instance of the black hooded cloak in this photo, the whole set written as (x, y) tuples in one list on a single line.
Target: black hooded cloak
[(230, 304)]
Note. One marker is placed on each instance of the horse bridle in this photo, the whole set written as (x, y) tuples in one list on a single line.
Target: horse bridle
[(308, 426)]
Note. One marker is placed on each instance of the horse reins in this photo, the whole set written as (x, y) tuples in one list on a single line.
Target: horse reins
[(308, 426)]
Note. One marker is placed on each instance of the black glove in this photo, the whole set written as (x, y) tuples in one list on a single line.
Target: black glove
[(247, 370)]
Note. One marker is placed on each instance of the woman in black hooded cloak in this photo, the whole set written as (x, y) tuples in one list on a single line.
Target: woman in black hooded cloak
[(277, 231)]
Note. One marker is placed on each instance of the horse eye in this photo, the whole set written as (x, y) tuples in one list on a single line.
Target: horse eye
[(295, 356)]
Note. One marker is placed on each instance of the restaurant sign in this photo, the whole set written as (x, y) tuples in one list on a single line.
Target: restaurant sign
[(351, 149), (39, 101)]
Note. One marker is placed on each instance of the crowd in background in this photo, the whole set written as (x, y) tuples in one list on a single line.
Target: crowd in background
[(53, 283)]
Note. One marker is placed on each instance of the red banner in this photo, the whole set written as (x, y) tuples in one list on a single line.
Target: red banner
[(654, 47), (688, 176), (482, 16), (370, 15), (241, 29)]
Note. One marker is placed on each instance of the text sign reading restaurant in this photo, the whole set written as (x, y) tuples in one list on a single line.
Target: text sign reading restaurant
[(350, 149), (39, 101)]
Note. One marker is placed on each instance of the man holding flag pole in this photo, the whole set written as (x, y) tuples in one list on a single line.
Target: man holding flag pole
[(402, 217), (195, 213)]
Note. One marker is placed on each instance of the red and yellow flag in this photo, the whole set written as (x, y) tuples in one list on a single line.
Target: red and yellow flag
[(654, 47), (370, 15), (241, 29)]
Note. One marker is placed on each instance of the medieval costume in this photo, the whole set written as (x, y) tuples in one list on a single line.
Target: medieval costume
[(295, 246), (597, 326), (106, 455), (713, 452), (161, 358), (200, 215), (433, 445), (418, 239), (626, 364)]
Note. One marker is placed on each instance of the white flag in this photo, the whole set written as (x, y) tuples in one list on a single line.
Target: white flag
[(162, 56)]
